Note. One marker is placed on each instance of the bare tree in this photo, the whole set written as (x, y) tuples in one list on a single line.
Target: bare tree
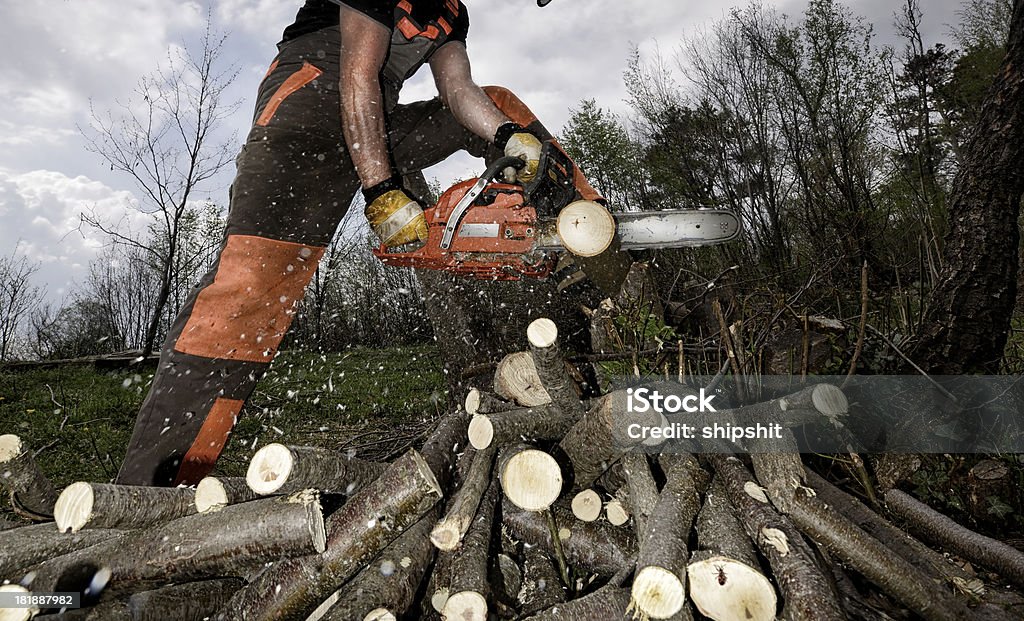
[(167, 142), (18, 297)]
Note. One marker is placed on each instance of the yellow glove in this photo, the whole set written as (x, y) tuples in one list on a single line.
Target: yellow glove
[(517, 142), (395, 218)]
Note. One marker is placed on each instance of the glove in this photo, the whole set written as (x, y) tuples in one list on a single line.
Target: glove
[(394, 217), (517, 142)]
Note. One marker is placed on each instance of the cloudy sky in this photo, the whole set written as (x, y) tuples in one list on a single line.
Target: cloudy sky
[(62, 57)]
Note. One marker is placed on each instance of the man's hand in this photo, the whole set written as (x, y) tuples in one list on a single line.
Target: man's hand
[(520, 143), (395, 218)]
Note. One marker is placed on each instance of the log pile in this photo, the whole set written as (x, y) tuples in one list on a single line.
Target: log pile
[(537, 507)]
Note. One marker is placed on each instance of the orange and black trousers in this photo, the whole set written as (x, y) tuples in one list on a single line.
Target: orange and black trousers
[(293, 185)]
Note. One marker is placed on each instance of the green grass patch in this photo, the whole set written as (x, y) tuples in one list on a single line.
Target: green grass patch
[(80, 419)]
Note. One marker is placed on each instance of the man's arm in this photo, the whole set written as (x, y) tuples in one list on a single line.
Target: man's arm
[(469, 104), (364, 46)]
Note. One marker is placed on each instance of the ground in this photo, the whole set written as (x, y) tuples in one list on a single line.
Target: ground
[(375, 402)]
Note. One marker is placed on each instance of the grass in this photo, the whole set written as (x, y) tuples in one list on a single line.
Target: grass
[(373, 402)]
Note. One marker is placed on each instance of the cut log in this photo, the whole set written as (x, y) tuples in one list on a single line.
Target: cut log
[(229, 542), (510, 577), (586, 228), (479, 402), (388, 585), (448, 532), (550, 365), (659, 588), (32, 494), (541, 588), (586, 505), (616, 512), (116, 610), (726, 583), (806, 591), (469, 590), (101, 505), (595, 546), (443, 446), (280, 469), (531, 479), (516, 380), (192, 601), (940, 530), (642, 491), (608, 603), (356, 533), (601, 437), (214, 493), (28, 545), (538, 424)]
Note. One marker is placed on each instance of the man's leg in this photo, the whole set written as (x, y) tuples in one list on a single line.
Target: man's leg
[(293, 185)]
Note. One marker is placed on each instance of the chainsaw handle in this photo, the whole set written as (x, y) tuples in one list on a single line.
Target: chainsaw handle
[(501, 164)]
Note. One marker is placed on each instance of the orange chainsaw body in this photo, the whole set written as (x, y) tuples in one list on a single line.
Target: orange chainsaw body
[(495, 239)]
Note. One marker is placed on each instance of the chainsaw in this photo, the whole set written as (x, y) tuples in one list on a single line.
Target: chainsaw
[(487, 229)]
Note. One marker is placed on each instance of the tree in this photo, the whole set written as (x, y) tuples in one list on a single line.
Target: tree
[(166, 142), (969, 311), (18, 297)]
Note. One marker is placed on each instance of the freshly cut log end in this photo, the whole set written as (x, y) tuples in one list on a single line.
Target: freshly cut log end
[(473, 401), (439, 599), (542, 333), (531, 479), (658, 593), (465, 606), (10, 447), (74, 507), (586, 505), (310, 498), (830, 400), (586, 228), (380, 614), (16, 614), (32, 494), (447, 534), (481, 432), (724, 590), (516, 379), (215, 493), (616, 513), (269, 469)]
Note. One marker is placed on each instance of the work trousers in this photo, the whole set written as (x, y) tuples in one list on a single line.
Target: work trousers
[(294, 183)]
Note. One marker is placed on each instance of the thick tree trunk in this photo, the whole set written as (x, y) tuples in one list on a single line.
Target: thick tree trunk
[(101, 505), (279, 469), (969, 310), (550, 365), (32, 494), (531, 479), (230, 542), (516, 380), (25, 546), (356, 532), (542, 423), (594, 547)]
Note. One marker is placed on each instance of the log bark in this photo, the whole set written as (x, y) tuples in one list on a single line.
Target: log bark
[(388, 585), (229, 542), (28, 545), (542, 423), (480, 402), (531, 479), (448, 532), (659, 588), (469, 589), (101, 505), (215, 493), (595, 547), (443, 446), (550, 365), (642, 490), (600, 438), (32, 494), (541, 588), (942, 531), (192, 601), (608, 603), (806, 591), (116, 610), (279, 469), (516, 380), (724, 572), (356, 532)]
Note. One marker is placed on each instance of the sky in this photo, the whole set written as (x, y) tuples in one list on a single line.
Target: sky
[(64, 58)]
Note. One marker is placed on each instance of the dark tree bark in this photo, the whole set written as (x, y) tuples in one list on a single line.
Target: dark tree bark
[(969, 310)]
